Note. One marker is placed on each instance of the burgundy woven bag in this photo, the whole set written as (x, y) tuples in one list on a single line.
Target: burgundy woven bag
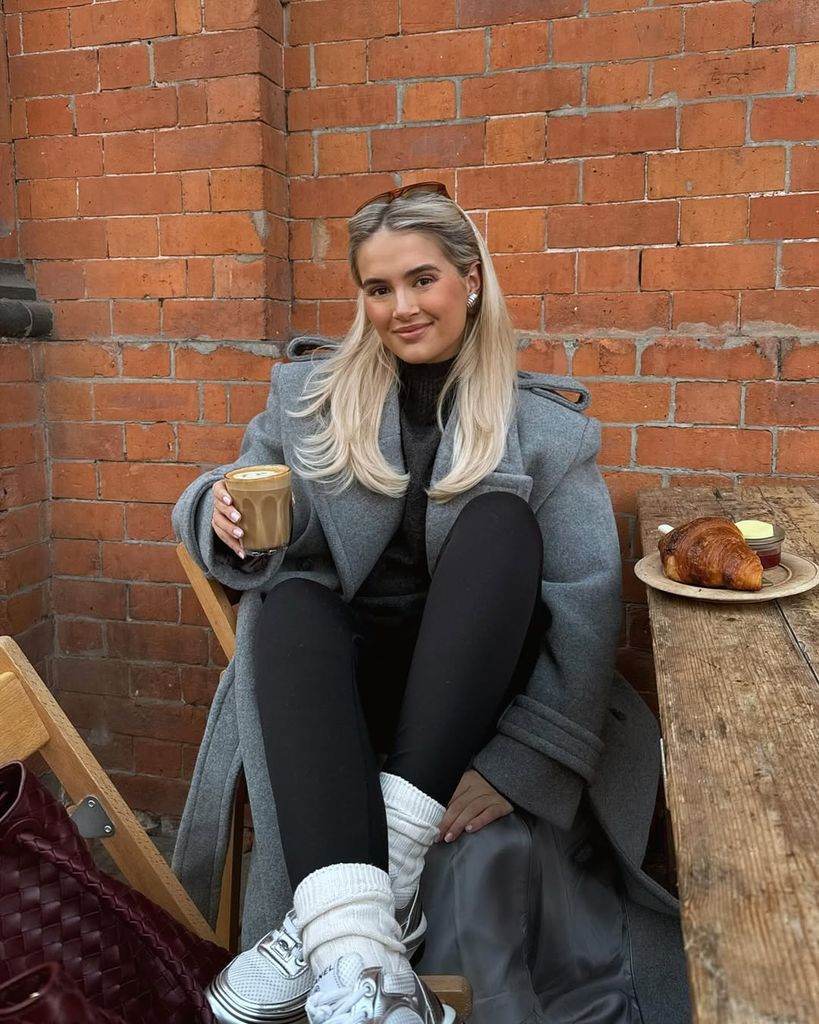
[(46, 995), (126, 954)]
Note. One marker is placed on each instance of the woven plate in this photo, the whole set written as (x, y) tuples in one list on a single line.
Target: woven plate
[(793, 576)]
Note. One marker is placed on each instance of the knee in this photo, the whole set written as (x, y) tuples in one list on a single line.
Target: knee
[(503, 518), (293, 602)]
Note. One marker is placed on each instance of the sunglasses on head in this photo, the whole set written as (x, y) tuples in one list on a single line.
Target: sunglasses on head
[(435, 187)]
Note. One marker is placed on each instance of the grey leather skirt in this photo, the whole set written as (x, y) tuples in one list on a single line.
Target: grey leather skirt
[(536, 919)]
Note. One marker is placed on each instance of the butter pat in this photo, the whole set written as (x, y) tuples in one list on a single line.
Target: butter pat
[(755, 529)]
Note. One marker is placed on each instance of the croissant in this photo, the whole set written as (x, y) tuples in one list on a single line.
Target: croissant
[(710, 552)]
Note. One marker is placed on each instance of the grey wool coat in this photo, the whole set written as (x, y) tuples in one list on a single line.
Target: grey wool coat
[(578, 726)]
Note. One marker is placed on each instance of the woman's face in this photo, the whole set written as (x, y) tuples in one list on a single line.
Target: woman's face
[(413, 296)]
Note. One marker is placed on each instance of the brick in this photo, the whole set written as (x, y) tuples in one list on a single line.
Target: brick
[(82, 319), (86, 440), (234, 99), (52, 198), (622, 132), (22, 526), (21, 444), (614, 179), (19, 403), (246, 400), (613, 84), (202, 444), (503, 187), (797, 452), (129, 153), (526, 311), (222, 363), (712, 125), (719, 448), (146, 361), (629, 402), (79, 636), (543, 356), (237, 189), (130, 194), (625, 486), (427, 56), (208, 146), (135, 319), (69, 400), (786, 21), (235, 319), (719, 26), (22, 610), (430, 146), (126, 110), (713, 220), (606, 311), (49, 117), (135, 279), (152, 401), (719, 359), (58, 158), (335, 197), (67, 360), (87, 675), (619, 224), (512, 140), (16, 364), (517, 46), (124, 66), (226, 14), (157, 757), (615, 271), (500, 12), (140, 641), (536, 273), (149, 442), (188, 16), (214, 403), (716, 172), (63, 239), (782, 404), (327, 20), (66, 72), (800, 359), (296, 67), (299, 154), (153, 603), (701, 402), (209, 234), (340, 106), (198, 683), (517, 230), (706, 267), (195, 191), (149, 522), (129, 481), (323, 280), (121, 21), (807, 67), (617, 37), (605, 356), (130, 236), (777, 217), (25, 567), (615, 447), (138, 561), (796, 117), (341, 63), (805, 168), (76, 557), (522, 92), (89, 520), (192, 103), (743, 73), (800, 265), (73, 480), (427, 15), (429, 101)]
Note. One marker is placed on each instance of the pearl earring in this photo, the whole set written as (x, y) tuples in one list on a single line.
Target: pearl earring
[(471, 301)]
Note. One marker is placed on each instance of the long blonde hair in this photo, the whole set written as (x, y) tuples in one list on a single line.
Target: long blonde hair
[(347, 391)]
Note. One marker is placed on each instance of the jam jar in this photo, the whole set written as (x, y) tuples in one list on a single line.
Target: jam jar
[(769, 549)]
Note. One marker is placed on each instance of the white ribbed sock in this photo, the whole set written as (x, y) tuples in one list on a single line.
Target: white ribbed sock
[(412, 824), (349, 908)]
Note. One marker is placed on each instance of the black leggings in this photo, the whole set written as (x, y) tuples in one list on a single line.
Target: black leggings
[(334, 691)]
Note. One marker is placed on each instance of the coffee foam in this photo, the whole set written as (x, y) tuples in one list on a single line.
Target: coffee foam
[(255, 474)]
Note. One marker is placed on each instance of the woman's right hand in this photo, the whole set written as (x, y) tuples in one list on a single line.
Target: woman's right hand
[(226, 521)]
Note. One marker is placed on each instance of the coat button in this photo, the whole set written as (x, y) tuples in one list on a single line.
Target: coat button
[(618, 714), (306, 565)]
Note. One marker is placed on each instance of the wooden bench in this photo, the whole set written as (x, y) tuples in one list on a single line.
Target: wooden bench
[(738, 689)]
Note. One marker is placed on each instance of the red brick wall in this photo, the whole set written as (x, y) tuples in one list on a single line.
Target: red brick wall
[(648, 179)]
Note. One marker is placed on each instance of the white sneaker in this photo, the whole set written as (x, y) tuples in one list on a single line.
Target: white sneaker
[(350, 993), (269, 983)]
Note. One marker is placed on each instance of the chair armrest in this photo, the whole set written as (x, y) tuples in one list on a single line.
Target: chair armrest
[(212, 596)]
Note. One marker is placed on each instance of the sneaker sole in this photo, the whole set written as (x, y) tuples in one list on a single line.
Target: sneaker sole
[(233, 1014)]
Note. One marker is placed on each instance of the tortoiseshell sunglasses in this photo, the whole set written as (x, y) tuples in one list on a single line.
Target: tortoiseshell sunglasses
[(436, 187)]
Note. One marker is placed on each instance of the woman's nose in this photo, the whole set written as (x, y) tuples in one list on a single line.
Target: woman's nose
[(405, 304)]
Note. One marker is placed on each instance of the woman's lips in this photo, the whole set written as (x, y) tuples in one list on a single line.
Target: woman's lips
[(411, 333)]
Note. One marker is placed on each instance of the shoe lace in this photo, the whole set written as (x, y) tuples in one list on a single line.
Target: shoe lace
[(337, 1005)]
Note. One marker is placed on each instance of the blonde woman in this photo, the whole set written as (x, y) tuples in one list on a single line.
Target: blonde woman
[(433, 650)]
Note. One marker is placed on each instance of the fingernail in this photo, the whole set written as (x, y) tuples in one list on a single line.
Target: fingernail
[(241, 554), (235, 517), (226, 499), (237, 532), (468, 828), (448, 837)]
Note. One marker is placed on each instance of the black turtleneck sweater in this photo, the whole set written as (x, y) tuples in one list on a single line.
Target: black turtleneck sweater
[(399, 581)]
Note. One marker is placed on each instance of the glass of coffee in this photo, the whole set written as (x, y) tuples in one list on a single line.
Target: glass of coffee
[(263, 497)]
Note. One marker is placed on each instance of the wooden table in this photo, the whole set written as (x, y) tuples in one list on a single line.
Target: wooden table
[(738, 690)]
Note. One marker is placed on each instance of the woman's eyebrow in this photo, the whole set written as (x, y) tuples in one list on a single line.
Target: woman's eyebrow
[(409, 273)]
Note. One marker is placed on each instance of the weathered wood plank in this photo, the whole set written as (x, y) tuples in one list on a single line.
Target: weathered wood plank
[(739, 707)]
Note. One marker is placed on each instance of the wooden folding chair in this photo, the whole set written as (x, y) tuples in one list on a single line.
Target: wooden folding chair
[(451, 989), (33, 722)]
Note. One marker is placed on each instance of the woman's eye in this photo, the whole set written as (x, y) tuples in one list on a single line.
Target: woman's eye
[(377, 291), (423, 281)]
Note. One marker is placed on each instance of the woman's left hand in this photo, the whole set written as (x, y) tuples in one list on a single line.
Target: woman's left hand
[(474, 804)]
